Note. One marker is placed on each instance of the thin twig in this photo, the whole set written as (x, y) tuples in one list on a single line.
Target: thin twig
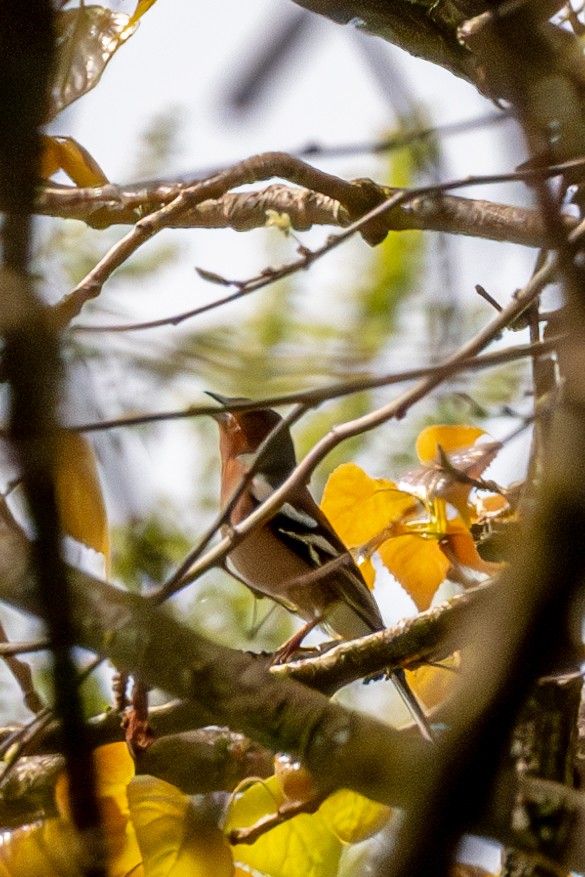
[(332, 391), (356, 197)]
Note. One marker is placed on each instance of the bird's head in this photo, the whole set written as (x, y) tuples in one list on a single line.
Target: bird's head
[(242, 433)]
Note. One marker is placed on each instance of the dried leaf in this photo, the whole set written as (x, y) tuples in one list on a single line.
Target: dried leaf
[(87, 39)]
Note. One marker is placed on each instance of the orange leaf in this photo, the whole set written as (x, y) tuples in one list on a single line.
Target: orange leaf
[(462, 548), (66, 154), (449, 438), (418, 564), (434, 684)]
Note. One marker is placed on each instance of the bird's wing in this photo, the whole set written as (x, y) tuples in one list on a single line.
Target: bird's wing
[(303, 528)]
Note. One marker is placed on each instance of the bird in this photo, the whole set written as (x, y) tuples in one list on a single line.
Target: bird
[(296, 558)]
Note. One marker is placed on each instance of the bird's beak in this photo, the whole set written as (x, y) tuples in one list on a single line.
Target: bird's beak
[(220, 415), (223, 400)]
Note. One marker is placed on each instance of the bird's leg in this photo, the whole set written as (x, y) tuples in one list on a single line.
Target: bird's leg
[(293, 644)]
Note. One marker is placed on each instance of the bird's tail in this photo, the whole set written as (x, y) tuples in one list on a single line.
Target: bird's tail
[(408, 696)]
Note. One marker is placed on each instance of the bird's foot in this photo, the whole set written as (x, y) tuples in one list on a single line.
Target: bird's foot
[(292, 645)]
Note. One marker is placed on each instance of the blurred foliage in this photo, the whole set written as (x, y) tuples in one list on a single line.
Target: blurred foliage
[(145, 552), (159, 143), (229, 614), (501, 386), (395, 268), (94, 691)]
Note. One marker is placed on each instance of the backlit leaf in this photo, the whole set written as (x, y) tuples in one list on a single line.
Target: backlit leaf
[(79, 493), (418, 564), (303, 845), (449, 438), (66, 154), (433, 684), (258, 800), (175, 840), (360, 507), (87, 39), (451, 462), (114, 771), (352, 817), (43, 850), (464, 551)]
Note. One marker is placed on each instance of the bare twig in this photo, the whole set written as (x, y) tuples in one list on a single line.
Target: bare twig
[(332, 391), (356, 197)]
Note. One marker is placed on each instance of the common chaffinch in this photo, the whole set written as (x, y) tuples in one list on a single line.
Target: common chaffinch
[(295, 558)]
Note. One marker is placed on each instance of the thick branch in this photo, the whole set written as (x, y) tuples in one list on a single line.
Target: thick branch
[(224, 687), (243, 211)]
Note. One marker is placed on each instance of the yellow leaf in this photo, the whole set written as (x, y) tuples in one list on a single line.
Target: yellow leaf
[(301, 846), (66, 154), (175, 840), (351, 817), (49, 849), (450, 438), (114, 768), (360, 507), (46, 850), (79, 493), (114, 771), (418, 564), (259, 799)]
